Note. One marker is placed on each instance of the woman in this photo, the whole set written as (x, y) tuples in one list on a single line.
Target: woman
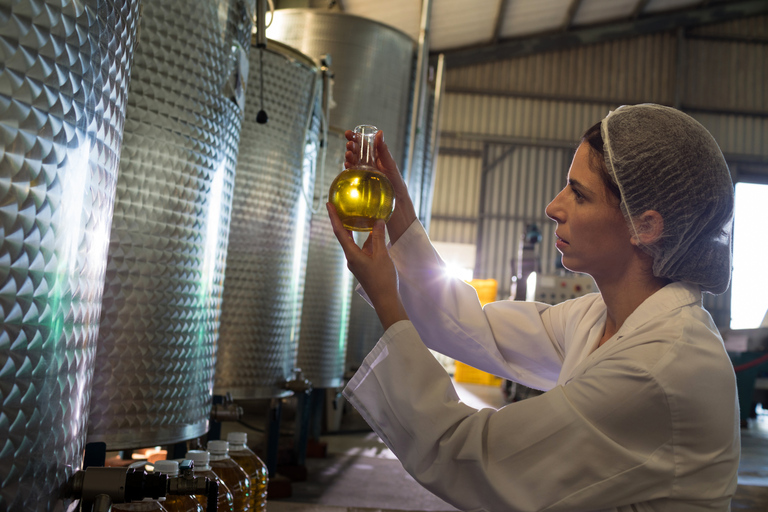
[(640, 412)]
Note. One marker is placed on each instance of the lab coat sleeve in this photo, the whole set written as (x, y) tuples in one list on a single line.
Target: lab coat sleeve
[(522, 341), (602, 440)]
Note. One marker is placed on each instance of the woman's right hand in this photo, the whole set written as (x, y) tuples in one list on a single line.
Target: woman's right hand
[(404, 213)]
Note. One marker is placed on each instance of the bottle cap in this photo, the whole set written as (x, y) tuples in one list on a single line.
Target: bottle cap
[(218, 447), (167, 467), (237, 437), (201, 458)]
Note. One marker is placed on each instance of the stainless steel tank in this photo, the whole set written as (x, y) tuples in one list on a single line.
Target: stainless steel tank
[(373, 67), (263, 291), (372, 64), (325, 313), (165, 269), (66, 67)]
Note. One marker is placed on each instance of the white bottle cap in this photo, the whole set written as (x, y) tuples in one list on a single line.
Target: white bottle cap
[(237, 437), (167, 467), (218, 447), (201, 458)]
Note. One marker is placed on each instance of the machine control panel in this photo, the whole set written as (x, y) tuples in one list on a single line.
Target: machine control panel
[(553, 289)]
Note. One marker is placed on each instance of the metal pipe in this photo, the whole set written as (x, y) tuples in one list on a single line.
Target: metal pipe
[(421, 71), (261, 23), (435, 137)]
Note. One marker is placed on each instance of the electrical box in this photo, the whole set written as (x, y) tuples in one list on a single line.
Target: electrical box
[(553, 289)]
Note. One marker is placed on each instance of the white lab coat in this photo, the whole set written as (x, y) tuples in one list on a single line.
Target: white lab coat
[(647, 422)]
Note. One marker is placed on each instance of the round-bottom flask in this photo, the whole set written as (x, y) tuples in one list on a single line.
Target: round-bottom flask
[(201, 459), (231, 473), (253, 466), (362, 194)]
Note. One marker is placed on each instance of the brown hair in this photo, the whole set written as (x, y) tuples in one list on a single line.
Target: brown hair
[(594, 138)]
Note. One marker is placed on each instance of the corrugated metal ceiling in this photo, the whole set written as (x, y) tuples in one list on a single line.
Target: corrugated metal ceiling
[(463, 24)]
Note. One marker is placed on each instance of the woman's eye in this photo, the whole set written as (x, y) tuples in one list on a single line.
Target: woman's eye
[(578, 195)]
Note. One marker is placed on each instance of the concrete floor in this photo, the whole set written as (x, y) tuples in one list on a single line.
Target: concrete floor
[(360, 474)]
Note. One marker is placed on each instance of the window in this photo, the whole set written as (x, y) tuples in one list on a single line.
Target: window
[(749, 286)]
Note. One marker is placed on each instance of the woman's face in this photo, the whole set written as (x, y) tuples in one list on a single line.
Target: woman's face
[(591, 233)]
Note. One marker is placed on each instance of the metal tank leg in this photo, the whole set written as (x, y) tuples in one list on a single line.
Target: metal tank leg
[(273, 434)]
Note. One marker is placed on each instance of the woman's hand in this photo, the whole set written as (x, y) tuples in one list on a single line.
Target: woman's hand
[(373, 268), (404, 213)]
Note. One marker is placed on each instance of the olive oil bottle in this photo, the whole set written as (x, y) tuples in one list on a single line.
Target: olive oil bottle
[(202, 459), (362, 194), (176, 502), (254, 468), (232, 474)]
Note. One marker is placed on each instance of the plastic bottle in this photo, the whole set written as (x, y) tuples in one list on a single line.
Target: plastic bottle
[(254, 468), (231, 473), (362, 194), (201, 459), (176, 502), (145, 505)]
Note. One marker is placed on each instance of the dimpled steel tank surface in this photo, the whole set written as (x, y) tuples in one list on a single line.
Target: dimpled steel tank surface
[(325, 313), (66, 67), (267, 254), (165, 269)]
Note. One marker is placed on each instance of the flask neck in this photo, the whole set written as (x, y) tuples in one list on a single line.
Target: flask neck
[(367, 139)]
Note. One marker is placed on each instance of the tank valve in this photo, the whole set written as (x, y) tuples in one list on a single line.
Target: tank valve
[(298, 384), (187, 482), (228, 410)]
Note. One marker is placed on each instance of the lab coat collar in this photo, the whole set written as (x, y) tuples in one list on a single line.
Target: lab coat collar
[(672, 296)]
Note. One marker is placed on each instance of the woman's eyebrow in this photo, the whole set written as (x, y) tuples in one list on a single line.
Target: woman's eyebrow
[(577, 185)]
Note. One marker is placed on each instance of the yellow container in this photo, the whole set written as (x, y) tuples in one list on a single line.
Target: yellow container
[(486, 289), (468, 375), (486, 292)]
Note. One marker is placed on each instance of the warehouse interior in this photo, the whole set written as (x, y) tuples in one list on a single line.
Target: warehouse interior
[(170, 275)]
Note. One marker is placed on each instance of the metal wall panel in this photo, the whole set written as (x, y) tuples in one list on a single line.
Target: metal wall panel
[(754, 28), (543, 122), (737, 135), (517, 190), (624, 71), (455, 202), (726, 75)]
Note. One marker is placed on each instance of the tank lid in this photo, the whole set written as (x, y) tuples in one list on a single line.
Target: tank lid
[(218, 447), (167, 467), (237, 437), (201, 459)]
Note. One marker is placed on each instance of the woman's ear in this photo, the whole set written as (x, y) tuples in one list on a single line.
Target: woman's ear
[(648, 228)]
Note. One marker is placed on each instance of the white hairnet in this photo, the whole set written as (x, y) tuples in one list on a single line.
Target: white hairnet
[(664, 160)]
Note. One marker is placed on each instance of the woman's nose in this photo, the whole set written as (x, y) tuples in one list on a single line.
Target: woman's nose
[(553, 211)]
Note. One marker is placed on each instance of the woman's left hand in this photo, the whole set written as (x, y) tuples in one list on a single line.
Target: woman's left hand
[(373, 268)]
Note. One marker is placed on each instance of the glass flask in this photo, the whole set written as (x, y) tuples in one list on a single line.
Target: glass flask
[(201, 459), (253, 466), (231, 473), (176, 502), (362, 194)]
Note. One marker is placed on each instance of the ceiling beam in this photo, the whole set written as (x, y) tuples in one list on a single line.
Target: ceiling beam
[(499, 22), (639, 8), (570, 14), (644, 25)]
